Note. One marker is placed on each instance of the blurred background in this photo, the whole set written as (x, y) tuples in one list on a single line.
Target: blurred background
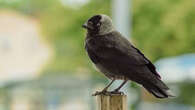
[(43, 64)]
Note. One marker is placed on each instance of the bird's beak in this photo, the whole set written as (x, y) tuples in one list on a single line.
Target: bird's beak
[(85, 26)]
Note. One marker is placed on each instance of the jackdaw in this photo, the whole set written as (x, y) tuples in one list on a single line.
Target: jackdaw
[(114, 56)]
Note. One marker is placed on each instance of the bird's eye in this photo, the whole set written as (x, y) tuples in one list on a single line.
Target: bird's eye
[(90, 22), (98, 24)]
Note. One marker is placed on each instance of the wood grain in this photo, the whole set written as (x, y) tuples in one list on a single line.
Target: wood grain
[(112, 102)]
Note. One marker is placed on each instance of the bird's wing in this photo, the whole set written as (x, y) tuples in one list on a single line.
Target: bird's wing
[(149, 64)]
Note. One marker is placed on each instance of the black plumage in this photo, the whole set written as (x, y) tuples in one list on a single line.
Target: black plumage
[(117, 58)]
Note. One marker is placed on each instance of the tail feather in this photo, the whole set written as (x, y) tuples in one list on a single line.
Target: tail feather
[(159, 89)]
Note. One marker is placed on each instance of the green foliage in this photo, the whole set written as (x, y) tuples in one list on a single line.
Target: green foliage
[(186, 95), (164, 28), (31, 7)]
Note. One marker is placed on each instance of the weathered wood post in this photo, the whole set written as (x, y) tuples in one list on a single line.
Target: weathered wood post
[(112, 102)]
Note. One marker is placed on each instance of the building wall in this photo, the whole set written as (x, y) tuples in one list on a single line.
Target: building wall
[(22, 53)]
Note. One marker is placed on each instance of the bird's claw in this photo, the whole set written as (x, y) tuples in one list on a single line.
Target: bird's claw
[(117, 92), (100, 93), (107, 93)]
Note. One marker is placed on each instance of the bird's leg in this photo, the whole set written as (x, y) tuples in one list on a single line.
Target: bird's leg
[(116, 91), (106, 88), (104, 91)]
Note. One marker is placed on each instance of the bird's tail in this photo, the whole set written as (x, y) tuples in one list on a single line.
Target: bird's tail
[(158, 89)]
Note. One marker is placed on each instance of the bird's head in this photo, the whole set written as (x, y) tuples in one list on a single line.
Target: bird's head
[(99, 24)]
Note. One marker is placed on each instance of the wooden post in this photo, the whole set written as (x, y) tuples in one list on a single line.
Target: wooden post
[(112, 102)]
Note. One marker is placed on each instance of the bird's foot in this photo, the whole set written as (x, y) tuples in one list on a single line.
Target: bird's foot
[(100, 93), (107, 93), (117, 92)]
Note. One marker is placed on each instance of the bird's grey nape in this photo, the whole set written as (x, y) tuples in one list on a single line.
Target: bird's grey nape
[(106, 25)]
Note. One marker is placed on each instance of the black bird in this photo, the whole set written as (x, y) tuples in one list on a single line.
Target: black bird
[(118, 59)]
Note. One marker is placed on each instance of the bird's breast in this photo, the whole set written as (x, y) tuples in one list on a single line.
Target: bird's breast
[(93, 43)]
